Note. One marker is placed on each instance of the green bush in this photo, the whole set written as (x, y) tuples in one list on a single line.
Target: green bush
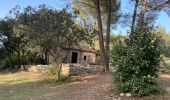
[(64, 79), (60, 80), (137, 61), (54, 74), (4, 63)]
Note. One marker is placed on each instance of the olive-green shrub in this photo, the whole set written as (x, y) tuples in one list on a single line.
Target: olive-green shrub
[(137, 61)]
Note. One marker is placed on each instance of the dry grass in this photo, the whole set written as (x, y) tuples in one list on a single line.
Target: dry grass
[(21, 85), (20, 77), (30, 86)]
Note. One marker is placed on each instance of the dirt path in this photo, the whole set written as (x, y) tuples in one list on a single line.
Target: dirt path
[(94, 87), (98, 87)]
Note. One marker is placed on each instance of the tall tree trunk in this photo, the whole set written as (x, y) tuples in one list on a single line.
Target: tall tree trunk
[(100, 34), (108, 34), (142, 14), (46, 57), (24, 61), (18, 56), (65, 58), (11, 66), (18, 60), (9, 54), (134, 16)]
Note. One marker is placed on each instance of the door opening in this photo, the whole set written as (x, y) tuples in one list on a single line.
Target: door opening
[(74, 57)]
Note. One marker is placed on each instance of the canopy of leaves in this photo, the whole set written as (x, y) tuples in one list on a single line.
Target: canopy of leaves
[(40, 30), (87, 11)]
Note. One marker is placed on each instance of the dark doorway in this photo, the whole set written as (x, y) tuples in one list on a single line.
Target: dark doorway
[(85, 58), (74, 57)]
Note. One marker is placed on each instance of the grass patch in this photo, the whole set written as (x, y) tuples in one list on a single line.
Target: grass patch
[(64, 79), (54, 80), (21, 85), (28, 85), (22, 91)]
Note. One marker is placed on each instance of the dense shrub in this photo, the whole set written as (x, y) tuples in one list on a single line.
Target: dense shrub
[(137, 63), (11, 61), (4, 63), (64, 79), (54, 73)]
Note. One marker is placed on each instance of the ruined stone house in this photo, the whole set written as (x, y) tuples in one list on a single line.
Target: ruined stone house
[(79, 54)]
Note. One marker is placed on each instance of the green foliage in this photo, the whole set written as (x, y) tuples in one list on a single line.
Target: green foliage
[(4, 64), (55, 71), (31, 35), (55, 67), (137, 62), (87, 12), (164, 39), (13, 38), (64, 79), (54, 74), (50, 29)]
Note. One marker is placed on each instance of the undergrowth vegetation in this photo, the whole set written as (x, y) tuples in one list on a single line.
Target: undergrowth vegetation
[(54, 74)]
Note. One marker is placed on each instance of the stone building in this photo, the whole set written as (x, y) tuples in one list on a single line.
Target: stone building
[(79, 55)]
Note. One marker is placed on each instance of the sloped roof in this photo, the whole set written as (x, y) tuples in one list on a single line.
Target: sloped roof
[(82, 48)]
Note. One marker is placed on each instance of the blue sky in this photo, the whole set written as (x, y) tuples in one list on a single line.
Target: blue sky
[(7, 5)]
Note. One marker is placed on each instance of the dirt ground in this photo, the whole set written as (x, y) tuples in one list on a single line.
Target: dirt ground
[(94, 87), (27, 86), (100, 87)]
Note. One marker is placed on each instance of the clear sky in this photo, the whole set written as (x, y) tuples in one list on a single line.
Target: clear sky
[(6, 5)]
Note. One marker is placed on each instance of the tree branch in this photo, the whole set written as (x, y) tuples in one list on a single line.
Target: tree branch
[(76, 1), (159, 6)]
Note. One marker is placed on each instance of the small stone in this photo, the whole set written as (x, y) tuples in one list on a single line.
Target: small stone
[(111, 94), (85, 80), (109, 97), (128, 94), (115, 98), (118, 99), (122, 94), (11, 91)]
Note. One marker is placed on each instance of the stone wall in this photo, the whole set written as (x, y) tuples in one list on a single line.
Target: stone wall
[(69, 69), (75, 69), (39, 68)]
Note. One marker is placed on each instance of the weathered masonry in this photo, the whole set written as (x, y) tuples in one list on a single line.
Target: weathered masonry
[(79, 55)]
